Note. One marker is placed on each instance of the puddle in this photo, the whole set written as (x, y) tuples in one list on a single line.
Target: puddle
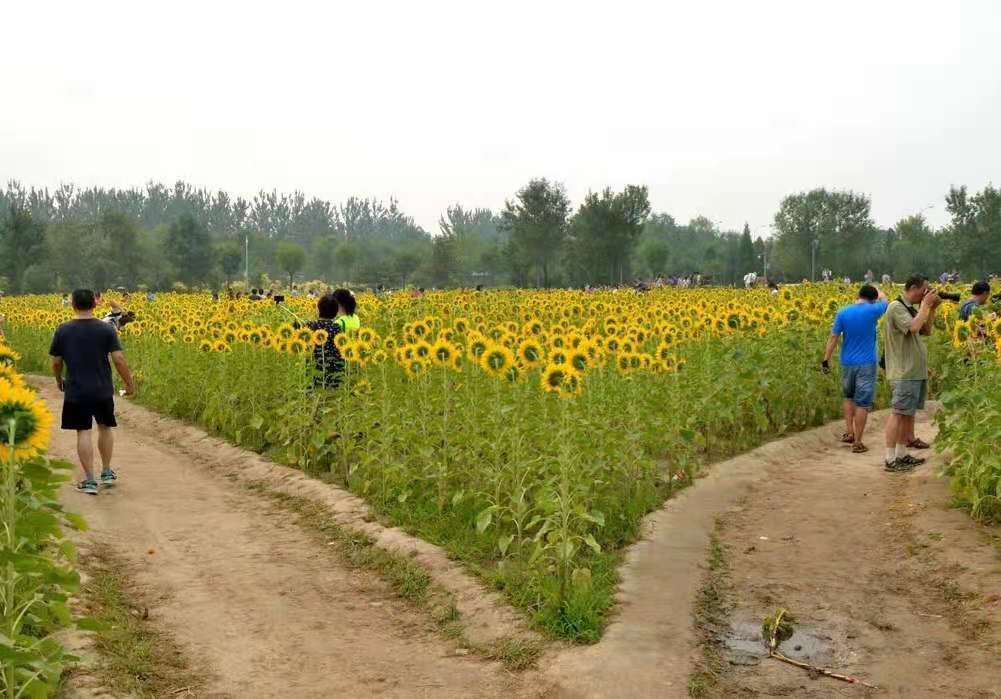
[(745, 645)]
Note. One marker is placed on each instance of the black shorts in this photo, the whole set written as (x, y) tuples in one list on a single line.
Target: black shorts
[(80, 415)]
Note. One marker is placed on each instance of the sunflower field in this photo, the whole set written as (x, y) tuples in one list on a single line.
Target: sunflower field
[(36, 560), (526, 431)]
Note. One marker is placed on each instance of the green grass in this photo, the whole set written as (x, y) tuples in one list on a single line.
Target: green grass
[(710, 615), (134, 657)]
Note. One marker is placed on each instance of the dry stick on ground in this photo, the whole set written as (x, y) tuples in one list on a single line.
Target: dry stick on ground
[(773, 643)]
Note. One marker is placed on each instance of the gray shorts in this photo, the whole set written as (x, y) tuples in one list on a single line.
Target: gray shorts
[(908, 396), (858, 384)]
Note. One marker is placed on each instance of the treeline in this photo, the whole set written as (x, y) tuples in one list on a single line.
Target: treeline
[(157, 236)]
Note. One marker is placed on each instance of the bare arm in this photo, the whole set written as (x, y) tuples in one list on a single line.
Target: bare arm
[(122, 367), (929, 323), (832, 342), (57, 371)]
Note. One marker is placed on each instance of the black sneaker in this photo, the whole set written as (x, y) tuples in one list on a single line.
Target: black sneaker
[(108, 477), (912, 460), (897, 466), (87, 487)]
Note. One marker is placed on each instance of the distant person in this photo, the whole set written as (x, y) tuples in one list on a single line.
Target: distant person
[(907, 318), (869, 276), (82, 347), (981, 294), (887, 280), (336, 313), (856, 324), (750, 279)]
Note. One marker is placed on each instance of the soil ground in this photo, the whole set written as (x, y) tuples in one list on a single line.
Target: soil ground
[(254, 601), (891, 584), (887, 583)]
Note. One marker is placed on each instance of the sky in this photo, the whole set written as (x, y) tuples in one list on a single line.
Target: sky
[(721, 108)]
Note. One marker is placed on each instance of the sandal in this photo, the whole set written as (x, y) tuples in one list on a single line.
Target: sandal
[(847, 438), (859, 448), (918, 444)]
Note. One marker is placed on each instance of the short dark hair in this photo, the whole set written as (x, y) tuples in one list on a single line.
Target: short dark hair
[(868, 292), (326, 307), (914, 280), (83, 300), (981, 288), (346, 300)]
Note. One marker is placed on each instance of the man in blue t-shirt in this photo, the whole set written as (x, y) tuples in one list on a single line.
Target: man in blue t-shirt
[(857, 324), (981, 295)]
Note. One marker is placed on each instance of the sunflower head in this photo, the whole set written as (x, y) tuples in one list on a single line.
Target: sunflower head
[(496, 360), (442, 352), (530, 353), (24, 422), (7, 355)]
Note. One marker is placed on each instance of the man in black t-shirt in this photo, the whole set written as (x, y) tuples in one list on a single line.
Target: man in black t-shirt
[(82, 346)]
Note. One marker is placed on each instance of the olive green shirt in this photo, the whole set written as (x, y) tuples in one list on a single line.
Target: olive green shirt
[(906, 354)]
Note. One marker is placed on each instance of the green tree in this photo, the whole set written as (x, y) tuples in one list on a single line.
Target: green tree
[(975, 229), (655, 254), (346, 256), (230, 256), (444, 260), (187, 246), (914, 248), (22, 244), (536, 221), (322, 258), (72, 252), (604, 232), (120, 247), (838, 223), (291, 258)]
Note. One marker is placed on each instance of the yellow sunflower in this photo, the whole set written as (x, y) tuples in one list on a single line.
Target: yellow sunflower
[(25, 422)]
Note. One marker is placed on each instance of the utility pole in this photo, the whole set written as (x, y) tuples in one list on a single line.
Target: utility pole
[(813, 259), (246, 261)]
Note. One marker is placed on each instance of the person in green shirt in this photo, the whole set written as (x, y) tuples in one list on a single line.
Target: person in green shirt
[(907, 318)]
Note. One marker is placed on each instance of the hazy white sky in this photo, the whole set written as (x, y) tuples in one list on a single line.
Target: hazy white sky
[(722, 108)]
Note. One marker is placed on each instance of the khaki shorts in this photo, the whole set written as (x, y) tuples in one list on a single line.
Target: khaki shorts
[(908, 396)]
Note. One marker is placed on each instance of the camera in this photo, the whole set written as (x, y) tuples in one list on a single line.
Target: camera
[(279, 298), (946, 296)]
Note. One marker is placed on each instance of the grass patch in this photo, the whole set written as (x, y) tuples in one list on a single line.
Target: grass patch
[(134, 658), (710, 614)]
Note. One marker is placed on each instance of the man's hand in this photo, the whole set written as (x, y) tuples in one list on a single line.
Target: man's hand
[(825, 366), (931, 300), (129, 391)]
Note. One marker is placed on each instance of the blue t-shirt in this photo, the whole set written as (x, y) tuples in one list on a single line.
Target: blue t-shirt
[(858, 325), (966, 310)]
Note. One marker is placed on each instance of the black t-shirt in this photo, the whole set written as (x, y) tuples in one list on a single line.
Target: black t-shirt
[(84, 345)]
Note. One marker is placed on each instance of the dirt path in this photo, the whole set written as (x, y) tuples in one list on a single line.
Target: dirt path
[(253, 599), (894, 587), (887, 582)]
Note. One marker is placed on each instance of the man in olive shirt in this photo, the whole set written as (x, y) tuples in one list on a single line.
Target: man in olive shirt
[(907, 318)]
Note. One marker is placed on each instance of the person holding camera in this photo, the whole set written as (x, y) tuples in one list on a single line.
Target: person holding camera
[(907, 318), (981, 294), (857, 325)]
